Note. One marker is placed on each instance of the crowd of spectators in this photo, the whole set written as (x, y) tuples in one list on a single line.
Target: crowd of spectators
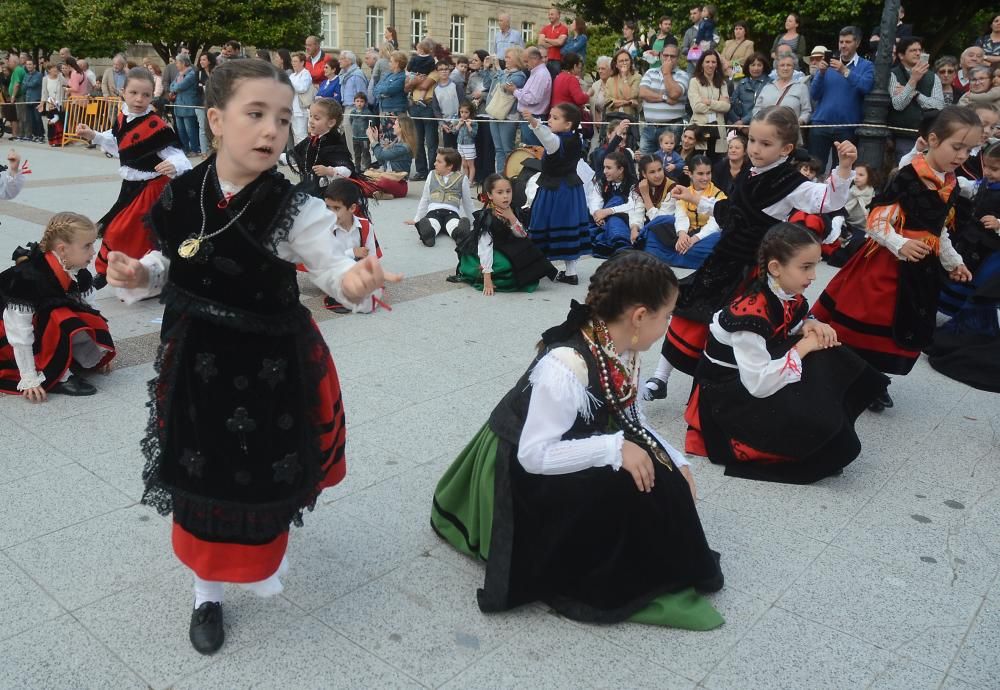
[(713, 76)]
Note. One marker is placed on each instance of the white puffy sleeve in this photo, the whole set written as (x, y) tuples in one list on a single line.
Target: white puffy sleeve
[(310, 243), (10, 185), (761, 375), (19, 325), (174, 155), (948, 255), (558, 395), (106, 142), (485, 252), (822, 197), (157, 266)]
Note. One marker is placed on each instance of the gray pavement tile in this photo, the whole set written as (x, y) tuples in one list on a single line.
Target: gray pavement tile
[(367, 465), (23, 455), (548, 655), (977, 662), (147, 626), (785, 651), (119, 425), (104, 555), (759, 556), (121, 468), (335, 554), (60, 654), (961, 453), (953, 683), (859, 597), (55, 409), (423, 619), (937, 551), (304, 655), (24, 604), (44, 503), (400, 505), (905, 674), (818, 511), (691, 654)]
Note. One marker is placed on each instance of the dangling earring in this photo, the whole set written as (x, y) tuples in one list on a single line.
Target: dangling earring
[(635, 339), (62, 262)]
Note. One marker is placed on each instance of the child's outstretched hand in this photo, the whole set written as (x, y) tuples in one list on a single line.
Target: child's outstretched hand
[(684, 194), (847, 152), (35, 395), (960, 274), (166, 168), (13, 162), (85, 132), (126, 272), (364, 278), (824, 333), (636, 461)]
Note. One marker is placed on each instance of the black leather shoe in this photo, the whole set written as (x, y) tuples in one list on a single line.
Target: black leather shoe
[(456, 278), (561, 277), (207, 634), (427, 236), (885, 400), (655, 389), (335, 306), (74, 385)]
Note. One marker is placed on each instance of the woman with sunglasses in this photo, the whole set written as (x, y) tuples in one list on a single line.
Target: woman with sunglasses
[(946, 67)]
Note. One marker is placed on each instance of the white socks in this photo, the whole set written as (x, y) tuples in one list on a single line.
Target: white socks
[(210, 590), (663, 369), (206, 590), (570, 267)]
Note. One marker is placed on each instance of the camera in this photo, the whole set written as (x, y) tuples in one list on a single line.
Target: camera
[(828, 56)]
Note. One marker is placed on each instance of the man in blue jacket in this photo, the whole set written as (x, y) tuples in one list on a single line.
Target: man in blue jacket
[(838, 93)]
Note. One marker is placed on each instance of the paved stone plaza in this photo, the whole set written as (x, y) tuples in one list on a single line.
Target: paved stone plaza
[(885, 577)]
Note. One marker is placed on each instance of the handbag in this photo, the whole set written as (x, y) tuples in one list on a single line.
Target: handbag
[(694, 53), (500, 103), (306, 98)]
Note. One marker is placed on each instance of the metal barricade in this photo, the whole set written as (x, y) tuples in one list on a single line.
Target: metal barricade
[(96, 113)]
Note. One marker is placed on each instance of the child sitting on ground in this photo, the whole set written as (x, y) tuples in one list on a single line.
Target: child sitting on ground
[(353, 235), (446, 204), (51, 328)]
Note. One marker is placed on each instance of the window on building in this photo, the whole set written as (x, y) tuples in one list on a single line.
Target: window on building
[(418, 26), (528, 33), (330, 30), (492, 29), (374, 26), (457, 33)]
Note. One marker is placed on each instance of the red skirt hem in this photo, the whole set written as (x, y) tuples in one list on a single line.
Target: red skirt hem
[(127, 232)]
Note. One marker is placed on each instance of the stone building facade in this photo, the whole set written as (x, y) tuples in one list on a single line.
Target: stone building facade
[(462, 26)]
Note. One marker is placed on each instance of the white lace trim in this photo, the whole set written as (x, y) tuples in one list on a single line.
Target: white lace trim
[(552, 373)]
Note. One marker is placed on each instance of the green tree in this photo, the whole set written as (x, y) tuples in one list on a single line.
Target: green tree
[(198, 24), (39, 28)]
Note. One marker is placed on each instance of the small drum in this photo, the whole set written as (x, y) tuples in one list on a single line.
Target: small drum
[(517, 157)]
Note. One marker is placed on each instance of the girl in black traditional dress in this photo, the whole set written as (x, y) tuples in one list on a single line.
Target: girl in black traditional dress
[(51, 330), (246, 419), (773, 401), (497, 255), (566, 492)]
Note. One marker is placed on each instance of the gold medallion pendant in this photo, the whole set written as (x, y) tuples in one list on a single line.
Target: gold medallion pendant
[(189, 247)]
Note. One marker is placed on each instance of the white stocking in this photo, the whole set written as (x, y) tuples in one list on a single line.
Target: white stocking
[(206, 590), (570, 267)]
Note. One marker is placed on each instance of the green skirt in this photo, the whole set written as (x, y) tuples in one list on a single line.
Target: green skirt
[(462, 515), (503, 275)]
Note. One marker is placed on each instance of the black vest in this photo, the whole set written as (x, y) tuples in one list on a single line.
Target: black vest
[(140, 140), (910, 116)]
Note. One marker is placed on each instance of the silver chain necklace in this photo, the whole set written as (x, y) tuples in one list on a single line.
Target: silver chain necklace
[(190, 247)]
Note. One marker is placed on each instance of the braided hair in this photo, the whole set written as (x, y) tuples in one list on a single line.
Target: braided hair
[(780, 244), (628, 279), (64, 227)]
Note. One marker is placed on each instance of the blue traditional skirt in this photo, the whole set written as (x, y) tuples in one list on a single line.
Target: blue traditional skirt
[(657, 234), (614, 235), (560, 222)]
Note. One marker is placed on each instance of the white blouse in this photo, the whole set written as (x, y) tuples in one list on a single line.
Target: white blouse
[(425, 204), (811, 197), (667, 207), (308, 243), (106, 140), (10, 185), (759, 374), (559, 394)]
